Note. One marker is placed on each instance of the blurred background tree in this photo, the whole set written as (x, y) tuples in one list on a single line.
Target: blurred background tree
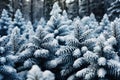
[(35, 9)]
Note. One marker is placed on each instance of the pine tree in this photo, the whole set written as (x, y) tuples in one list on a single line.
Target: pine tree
[(89, 21), (19, 20), (116, 33), (36, 74), (29, 30), (16, 41), (75, 46), (47, 8), (42, 22), (5, 22), (58, 25), (7, 60), (40, 48), (114, 11), (103, 61), (104, 26), (64, 18)]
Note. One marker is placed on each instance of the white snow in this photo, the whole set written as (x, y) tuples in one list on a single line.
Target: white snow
[(2, 60), (97, 48), (2, 49), (101, 72), (78, 62), (35, 73), (77, 53), (41, 53), (82, 72), (102, 61), (9, 69), (28, 63), (111, 41), (107, 49), (48, 75), (84, 49), (69, 1)]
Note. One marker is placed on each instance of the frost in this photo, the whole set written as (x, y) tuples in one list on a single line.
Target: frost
[(60, 48), (28, 63), (41, 53), (102, 61), (12, 58), (56, 32), (35, 73), (82, 72), (2, 60), (78, 63), (77, 53), (97, 48), (54, 63), (101, 73), (56, 9), (84, 49), (48, 75), (108, 49), (2, 49), (111, 41), (9, 69), (69, 1), (90, 56)]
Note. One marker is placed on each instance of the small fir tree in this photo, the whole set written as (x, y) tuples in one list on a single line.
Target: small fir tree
[(19, 21), (5, 22)]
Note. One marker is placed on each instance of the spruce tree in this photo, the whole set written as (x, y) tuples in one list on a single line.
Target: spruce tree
[(47, 8), (72, 49), (39, 49), (36, 74), (5, 22), (58, 25), (7, 60), (103, 61), (19, 21)]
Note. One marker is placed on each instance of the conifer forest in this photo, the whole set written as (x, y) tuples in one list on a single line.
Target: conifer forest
[(59, 39)]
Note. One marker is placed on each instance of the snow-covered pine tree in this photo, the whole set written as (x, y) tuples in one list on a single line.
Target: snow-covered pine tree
[(114, 10), (76, 45), (19, 20), (7, 59), (73, 23), (116, 33), (36, 74), (16, 41), (47, 8), (103, 61), (90, 22), (104, 26), (40, 48), (64, 18), (57, 25), (28, 30), (42, 22), (5, 22)]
